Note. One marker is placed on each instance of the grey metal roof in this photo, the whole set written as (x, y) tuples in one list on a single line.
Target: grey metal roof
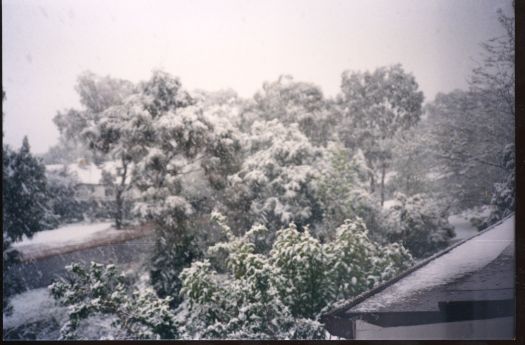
[(480, 268)]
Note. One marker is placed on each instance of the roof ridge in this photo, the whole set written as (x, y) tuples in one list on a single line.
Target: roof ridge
[(359, 298)]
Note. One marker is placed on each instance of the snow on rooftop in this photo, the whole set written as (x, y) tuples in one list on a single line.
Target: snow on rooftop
[(86, 172), (468, 257), (65, 235)]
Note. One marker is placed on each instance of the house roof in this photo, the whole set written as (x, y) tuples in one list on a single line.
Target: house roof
[(480, 268), (86, 172)]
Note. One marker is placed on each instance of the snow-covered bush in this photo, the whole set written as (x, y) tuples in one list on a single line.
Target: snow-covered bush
[(101, 290), (420, 224), (358, 264), (301, 272)]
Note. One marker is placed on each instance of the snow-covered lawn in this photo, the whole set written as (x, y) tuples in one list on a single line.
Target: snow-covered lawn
[(31, 306), (68, 234), (461, 222), (73, 237)]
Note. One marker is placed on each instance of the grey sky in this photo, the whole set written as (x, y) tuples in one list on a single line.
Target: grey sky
[(213, 44)]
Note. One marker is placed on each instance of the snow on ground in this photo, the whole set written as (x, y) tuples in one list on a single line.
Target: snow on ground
[(461, 222), (68, 234), (31, 306), (466, 258), (389, 203), (462, 227), (75, 237)]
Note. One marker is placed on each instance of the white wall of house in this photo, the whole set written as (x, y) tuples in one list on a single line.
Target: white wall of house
[(87, 192), (497, 328)]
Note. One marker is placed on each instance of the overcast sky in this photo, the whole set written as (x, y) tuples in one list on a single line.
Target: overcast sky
[(214, 44)]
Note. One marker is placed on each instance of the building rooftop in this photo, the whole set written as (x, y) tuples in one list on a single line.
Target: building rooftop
[(471, 279)]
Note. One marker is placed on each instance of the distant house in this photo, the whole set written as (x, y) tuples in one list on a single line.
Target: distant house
[(89, 177), (464, 292)]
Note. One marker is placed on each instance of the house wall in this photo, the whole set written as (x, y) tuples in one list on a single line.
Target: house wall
[(87, 192), (497, 328)]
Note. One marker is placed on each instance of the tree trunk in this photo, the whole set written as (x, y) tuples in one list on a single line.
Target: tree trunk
[(118, 212), (383, 173), (372, 183), (119, 200)]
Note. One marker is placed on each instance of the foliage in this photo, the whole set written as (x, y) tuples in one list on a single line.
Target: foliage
[(494, 78), (290, 102), (358, 264), (504, 198), (61, 194), (100, 289), (24, 193), (245, 304), (301, 272), (413, 161), (277, 180), (375, 107), (279, 295), (467, 140), (343, 192), (168, 260), (420, 225)]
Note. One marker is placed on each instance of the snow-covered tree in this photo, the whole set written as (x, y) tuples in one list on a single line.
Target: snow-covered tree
[(24, 193), (343, 191), (504, 198), (277, 180), (104, 125), (24, 207), (467, 141), (290, 101), (185, 136), (494, 78), (413, 161), (375, 107), (420, 224)]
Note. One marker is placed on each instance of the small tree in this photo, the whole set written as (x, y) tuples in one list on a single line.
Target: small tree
[(24, 207)]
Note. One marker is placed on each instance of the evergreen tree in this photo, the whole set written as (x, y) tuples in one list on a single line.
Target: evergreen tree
[(24, 207), (25, 193)]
